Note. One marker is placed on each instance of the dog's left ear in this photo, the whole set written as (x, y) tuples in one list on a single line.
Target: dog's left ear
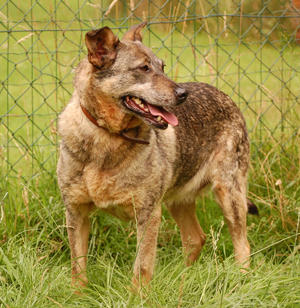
[(102, 47), (134, 33)]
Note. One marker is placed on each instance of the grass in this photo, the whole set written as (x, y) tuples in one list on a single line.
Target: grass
[(35, 258), (34, 250)]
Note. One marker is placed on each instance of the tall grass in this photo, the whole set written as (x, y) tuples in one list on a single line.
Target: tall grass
[(35, 257)]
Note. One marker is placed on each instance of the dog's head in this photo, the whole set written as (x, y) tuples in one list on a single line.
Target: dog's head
[(133, 76)]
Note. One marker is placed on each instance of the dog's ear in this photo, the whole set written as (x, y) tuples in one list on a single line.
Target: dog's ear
[(134, 33), (102, 47)]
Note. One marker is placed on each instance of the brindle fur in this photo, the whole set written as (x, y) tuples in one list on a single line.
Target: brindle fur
[(98, 169)]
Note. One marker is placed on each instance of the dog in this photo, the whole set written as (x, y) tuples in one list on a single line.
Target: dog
[(132, 138)]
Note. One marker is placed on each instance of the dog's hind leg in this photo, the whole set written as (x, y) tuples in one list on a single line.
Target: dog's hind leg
[(78, 226), (230, 193), (192, 235)]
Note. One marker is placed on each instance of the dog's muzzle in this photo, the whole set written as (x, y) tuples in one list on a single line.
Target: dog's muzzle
[(154, 115)]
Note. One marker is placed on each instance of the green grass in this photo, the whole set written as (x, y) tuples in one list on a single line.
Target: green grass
[(35, 257), (34, 250)]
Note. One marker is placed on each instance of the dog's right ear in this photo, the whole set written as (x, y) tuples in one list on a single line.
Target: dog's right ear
[(102, 47)]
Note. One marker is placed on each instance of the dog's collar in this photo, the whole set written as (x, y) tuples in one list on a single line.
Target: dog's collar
[(122, 133)]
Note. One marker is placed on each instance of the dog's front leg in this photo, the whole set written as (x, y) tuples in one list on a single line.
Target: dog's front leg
[(148, 221), (78, 226)]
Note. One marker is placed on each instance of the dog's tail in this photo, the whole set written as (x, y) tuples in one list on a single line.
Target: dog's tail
[(252, 208)]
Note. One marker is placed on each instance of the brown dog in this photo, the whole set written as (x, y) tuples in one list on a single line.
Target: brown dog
[(131, 137)]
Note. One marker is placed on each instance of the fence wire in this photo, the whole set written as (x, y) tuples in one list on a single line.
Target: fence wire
[(248, 49)]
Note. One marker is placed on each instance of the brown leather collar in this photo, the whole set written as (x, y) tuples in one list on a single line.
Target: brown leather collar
[(122, 133)]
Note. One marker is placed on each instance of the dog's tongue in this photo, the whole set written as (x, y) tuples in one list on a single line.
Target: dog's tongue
[(167, 116)]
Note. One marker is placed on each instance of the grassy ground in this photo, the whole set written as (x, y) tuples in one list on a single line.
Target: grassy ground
[(35, 257), (34, 251)]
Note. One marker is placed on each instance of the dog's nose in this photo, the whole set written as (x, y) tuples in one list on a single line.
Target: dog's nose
[(181, 95)]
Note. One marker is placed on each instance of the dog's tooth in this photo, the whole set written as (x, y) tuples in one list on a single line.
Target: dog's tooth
[(158, 118)]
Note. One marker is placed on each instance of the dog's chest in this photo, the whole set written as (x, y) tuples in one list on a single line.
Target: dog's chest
[(111, 191)]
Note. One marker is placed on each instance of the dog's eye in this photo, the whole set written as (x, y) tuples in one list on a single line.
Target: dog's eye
[(145, 68), (163, 67)]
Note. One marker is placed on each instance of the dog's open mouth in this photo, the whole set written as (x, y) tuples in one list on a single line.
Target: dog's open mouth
[(155, 115)]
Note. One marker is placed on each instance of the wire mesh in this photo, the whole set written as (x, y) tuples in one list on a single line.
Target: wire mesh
[(247, 49)]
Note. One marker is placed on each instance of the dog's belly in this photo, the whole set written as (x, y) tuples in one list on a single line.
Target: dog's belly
[(123, 212)]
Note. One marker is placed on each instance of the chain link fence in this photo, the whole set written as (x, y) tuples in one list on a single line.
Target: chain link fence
[(248, 49)]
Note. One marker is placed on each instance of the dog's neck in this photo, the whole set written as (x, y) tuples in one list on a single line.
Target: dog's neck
[(122, 133)]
